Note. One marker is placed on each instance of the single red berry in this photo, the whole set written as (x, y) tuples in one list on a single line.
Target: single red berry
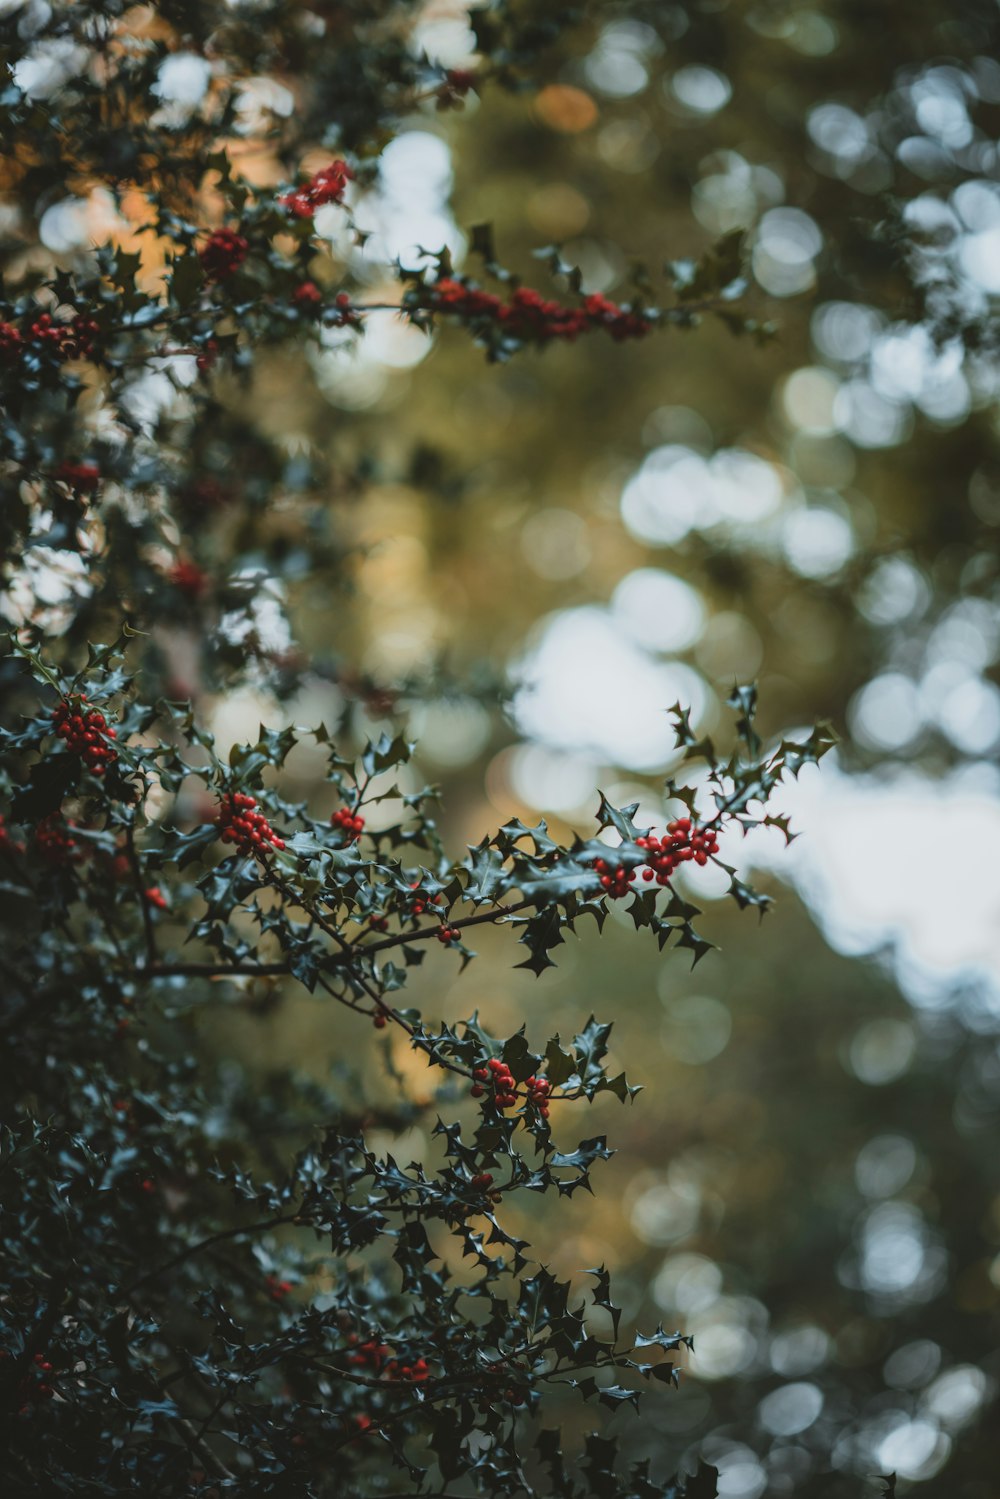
[(206, 356), (83, 478), (460, 80), (307, 296), (188, 578)]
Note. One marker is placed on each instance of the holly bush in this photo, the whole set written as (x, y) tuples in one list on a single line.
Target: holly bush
[(190, 1305), (211, 1285)]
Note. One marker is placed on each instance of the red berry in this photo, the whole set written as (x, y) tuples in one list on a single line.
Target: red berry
[(11, 343), (307, 296), (459, 80), (81, 477), (85, 734), (205, 359), (188, 578), (239, 823), (54, 842), (327, 186), (223, 253), (348, 822)]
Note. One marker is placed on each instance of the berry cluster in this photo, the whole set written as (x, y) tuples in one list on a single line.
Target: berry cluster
[(81, 477), (539, 1089), (615, 880), (681, 842), (223, 253), (377, 1357), (54, 840), (36, 1386), (7, 843), (154, 896), (278, 1289), (498, 1076), (378, 923), (499, 1371), (530, 316), (341, 314), (419, 903), (448, 934), (620, 322), (238, 822), (483, 1182), (77, 339), (348, 822), (206, 356), (327, 186), (86, 733), (11, 343)]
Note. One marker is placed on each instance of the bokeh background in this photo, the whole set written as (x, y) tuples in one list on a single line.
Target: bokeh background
[(809, 1182)]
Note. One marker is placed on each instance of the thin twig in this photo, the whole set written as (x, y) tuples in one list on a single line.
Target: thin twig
[(147, 915), (193, 1249)]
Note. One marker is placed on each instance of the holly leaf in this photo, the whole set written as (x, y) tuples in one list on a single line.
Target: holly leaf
[(541, 933), (704, 1484), (43, 792), (485, 865), (559, 1065), (481, 242), (620, 818)]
